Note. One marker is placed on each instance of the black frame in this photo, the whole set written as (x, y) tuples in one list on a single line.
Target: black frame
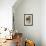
[(24, 19)]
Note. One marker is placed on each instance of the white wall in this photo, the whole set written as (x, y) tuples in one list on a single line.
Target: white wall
[(29, 7), (6, 13), (43, 22)]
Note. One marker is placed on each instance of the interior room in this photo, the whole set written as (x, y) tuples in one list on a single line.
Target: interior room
[(22, 22)]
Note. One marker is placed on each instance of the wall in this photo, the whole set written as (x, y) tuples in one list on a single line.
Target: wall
[(6, 13), (43, 22), (29, 7)]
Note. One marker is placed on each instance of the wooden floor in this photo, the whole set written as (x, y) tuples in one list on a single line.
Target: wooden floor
[(9, 43)]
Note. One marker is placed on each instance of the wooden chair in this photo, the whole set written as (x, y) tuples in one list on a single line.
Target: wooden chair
[(18, 39)]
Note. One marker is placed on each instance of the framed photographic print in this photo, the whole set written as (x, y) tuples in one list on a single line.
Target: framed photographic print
[(28, 19)]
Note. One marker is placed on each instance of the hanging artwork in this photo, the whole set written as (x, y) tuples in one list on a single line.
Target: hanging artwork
[(28, 19)]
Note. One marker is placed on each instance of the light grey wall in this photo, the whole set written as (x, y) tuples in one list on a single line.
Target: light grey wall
[(29, 7), (43, 22)]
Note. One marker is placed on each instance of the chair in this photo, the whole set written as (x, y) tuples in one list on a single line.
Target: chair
[(18, 39)]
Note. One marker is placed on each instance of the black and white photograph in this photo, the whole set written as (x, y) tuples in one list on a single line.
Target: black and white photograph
[(28, 19)]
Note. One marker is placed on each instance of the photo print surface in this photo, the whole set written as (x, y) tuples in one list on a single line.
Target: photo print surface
[(28, 19)]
